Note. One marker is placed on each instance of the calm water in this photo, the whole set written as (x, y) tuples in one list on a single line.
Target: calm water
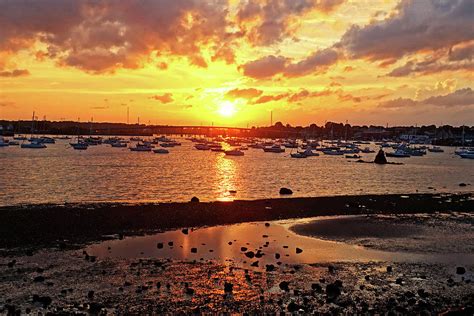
[(60, 174), (224, 243)]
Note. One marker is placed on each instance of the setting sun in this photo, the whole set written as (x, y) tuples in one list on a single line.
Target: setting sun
[(227, 109)]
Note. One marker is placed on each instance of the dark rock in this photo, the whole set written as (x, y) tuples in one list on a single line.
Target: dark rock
[(11, 263), (194, 250), (250, 254), (170, 243), (243, 248), (389, 269), (380, 158), (159, 245), (184, 231), (38, 278), (293, 307), (228, 287), (45, 300), (331, 269), (254, 264), (317, 287), (285, 191), (460, 270), (229, 243), (259, 254), (462, 184), (299, 250), (332, 291), (270, 267), (399, 281), (39, 270), (158, 285), (189, 291), (264, 236), (95, 308), (267, 224), (284, 286), (90, 294), (194, 199), (277, 256)]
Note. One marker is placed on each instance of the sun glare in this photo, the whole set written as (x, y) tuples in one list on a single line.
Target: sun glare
[(227, 109)]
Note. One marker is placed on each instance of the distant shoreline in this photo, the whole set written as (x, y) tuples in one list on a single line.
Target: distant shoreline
[(71, 225)]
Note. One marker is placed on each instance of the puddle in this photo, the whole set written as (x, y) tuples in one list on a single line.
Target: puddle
[(223, 243)]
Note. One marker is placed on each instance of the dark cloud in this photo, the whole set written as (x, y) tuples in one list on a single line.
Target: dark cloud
[(101, 36), (420, 25), (269, 66), (272, 20), (461, 97)]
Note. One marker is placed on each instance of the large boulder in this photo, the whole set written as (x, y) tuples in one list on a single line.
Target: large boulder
[(380, 158), (285, 191)]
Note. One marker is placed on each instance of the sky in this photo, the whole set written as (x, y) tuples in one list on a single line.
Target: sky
[(236, 63)]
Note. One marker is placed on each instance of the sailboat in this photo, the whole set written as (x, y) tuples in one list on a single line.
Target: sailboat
[(34, 143), (79, 144)]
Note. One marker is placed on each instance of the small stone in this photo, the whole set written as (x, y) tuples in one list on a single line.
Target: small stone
[(39, 278), (389, 269), (228, 287), (284, 286), (185, 231), (194, 250), (317, 287), (159, 245), (194, 199), (299, 250), (332, 291), (399, 281), (254, 264), (270, 267), (277, 256), (189, 291), (90, 294), (243, 248), (267, 224), (229, 243), (285, 191), (250, 254), (462, 184), (331, 269), (460, 270), (170, 243)]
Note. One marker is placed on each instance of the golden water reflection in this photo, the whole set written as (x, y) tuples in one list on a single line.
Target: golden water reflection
[(227, 171)]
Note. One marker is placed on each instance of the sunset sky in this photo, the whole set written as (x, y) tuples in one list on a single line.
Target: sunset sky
[(230, 63)]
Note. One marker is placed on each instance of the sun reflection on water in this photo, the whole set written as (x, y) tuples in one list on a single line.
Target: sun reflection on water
[(226, 171)]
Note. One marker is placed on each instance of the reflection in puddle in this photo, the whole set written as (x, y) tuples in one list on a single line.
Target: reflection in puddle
[(276, 242)]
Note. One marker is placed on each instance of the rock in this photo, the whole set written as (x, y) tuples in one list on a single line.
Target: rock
[(293, 307), (284, 286), (250, 254), (228, 287), (90, 294), (185, 231), (331, 269), (277, 256), (39, 278), (194, 250), (285, 191), (270, 267), (462, 184), (332, 291), (317, 287), (259, 254), (264, 236), (299, 250), (229, 243), (254, 264), (267, 224), (243, 248), (189, 291), (159, 245), (95, 308), (389, 269), (460, 270), (399, 281), (11, 263), (170, 243), (380, 158), (45, 300), (194, 199)]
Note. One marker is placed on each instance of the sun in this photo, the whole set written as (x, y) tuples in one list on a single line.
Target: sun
[(227, 109)]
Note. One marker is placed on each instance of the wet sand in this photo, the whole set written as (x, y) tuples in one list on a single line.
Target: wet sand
[(69, 225)]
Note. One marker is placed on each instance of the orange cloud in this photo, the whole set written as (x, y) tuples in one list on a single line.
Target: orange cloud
[(164, 98), (14, 73), (249, 93)]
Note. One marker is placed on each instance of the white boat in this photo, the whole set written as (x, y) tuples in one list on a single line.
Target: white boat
[(234, 152), (118, 144), (435, 149), (309, 152), (13, 143), (202, 147), (3, 143), (161, 151), (141, 147), (33, 145), (298, 155), (399, 153), (274, 149), (79, 145)]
